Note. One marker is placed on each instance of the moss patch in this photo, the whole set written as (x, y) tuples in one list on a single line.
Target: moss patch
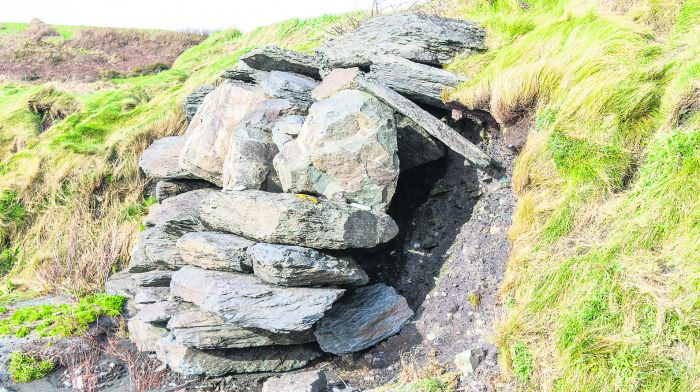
[(25, 368)]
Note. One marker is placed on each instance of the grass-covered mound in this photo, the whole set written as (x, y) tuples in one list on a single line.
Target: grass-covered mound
[(602, 288)]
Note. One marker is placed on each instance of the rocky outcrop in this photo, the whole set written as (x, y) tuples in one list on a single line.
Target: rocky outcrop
[(245, 301), (286, 265), (191, 361), (346, 151), (194, 100), (369, 315), (210, 132), (420, 38), (216, 251), (162, 159), (302, 220), (273, 58)]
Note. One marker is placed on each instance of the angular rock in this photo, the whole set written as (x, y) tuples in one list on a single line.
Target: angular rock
[(216, 251), (166, 189), (244, 301), (155, 249), (346, 150), (416, 146), (286, 129), (162, 159), (418, 82), (336, 80), (122, 284), (362, 319), (244, 73), (284, 218), (273, 58), (210, 132), (145, 335), (157, 278), (192, 327), (311, 381), (249, 161), (194, 100), (150, 295), (420, 38), (292, 87), (468, 361), (157, 312), (425, 120), (286, 265), (179, 214), (191, 361)]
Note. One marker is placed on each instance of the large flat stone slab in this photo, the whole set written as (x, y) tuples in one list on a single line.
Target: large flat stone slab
[(346, 150), (162, 159), (216, 251), (274, 58), (166, 189), (179, 214), (296, 220), (191, 361), (363, 319), (420, 38), (210, 131), (155, 249), (243, 72), (245, 301), (286, 265), (193, 327)]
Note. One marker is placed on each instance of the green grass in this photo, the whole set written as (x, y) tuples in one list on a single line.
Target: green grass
[(25, 368), (605, 266), (61, 320)]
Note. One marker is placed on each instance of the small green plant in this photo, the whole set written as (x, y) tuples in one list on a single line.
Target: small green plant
[(25, 368), (3, 309), (522, 362), (61, 320), (7, 260), (474, 300)]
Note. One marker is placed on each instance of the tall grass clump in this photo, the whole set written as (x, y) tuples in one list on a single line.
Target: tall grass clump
[(604, 268)]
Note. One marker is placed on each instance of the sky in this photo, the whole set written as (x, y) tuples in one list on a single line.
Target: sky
[(177, 14)]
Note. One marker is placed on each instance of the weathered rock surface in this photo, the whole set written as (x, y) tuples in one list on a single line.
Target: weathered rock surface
[(180, 214), (336, 80), (362, 319), (244, 301), (311, 381), (157, 312), (346, 150), (122, 284), (216, 251), (430, 124), (155, 249), (468, 361), (416, 146), (273, 58), (296, 220), (162, 159), (145, 335), (419, 82), (194, 100), (420, 38), (156, 278), (150, 295), (244, 73), (286, 129), (192, 361), (210, 132), (286, 265), (249, 161), (289, 86), (166, 189), (192, 327)]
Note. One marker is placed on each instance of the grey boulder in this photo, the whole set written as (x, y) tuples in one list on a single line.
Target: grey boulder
[(192, 327), (286, 265), (162, 159), (311, 381), (362, 319), (346, 150), (292, 87), (155, 249), (243, 72), (216, 251), (166, 189), (245, 301), (191, 361), (210, 131), (302, 220), (179, 214), (273, 58), (194, 100), (157, 312), (145, 335), (421, 38), (157, 278)]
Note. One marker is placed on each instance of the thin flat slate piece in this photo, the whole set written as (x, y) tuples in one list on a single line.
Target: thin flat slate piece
[(273, 58)]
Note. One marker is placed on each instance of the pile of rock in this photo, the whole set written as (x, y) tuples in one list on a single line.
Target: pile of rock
[(243, 265)]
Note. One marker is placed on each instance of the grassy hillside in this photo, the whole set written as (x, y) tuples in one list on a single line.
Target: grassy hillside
[(602, 289), (70, 196)]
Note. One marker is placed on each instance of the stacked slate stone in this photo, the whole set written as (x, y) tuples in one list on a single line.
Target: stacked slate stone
[(243, 264)]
